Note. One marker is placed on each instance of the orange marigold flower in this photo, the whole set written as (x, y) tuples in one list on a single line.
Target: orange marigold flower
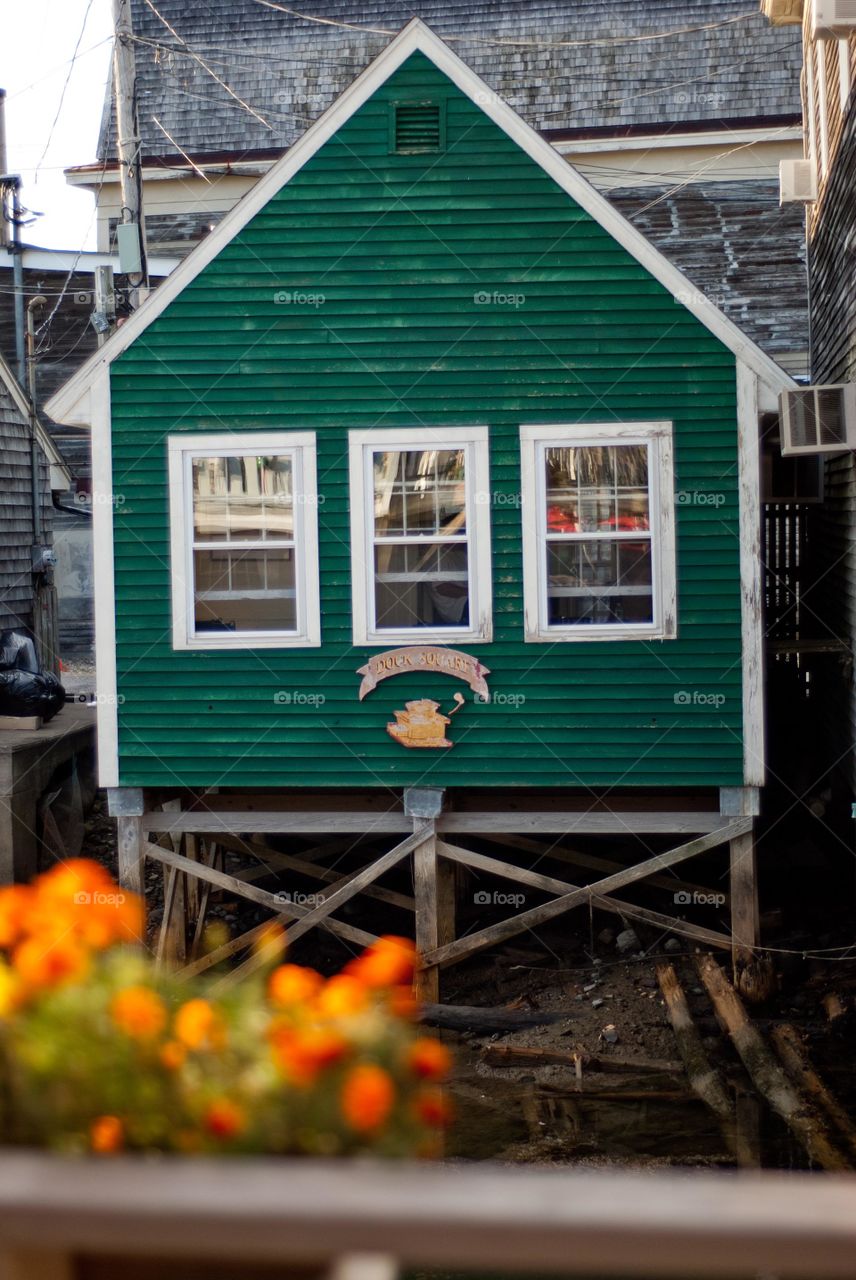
[(291, 984), (341, 996), (172, 1055), (224, 1119), (429, 1059), (198, 1025), (50, 963), (16, 902), (139, 1012), (388, 962), (106, 1135), (367, 1097), (302, 1054), (432, 1107), (402, 1002)]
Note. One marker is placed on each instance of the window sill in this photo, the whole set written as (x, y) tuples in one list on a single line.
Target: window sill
[(274, 641)]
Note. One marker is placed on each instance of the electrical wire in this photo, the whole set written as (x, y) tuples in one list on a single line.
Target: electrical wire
[(513, 41), (196, 57), (70, 73)]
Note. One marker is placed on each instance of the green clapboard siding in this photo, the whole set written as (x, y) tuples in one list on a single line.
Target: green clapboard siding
[(399, 246)]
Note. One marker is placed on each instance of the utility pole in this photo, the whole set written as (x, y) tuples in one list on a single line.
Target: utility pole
[(11, 216), (129, 233)]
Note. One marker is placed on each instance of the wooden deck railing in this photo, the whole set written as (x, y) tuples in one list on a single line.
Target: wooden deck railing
[(168, 1218)]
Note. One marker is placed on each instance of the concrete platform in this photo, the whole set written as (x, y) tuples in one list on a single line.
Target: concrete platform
[(28, 759)]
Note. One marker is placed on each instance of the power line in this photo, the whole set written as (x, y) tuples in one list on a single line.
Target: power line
[(513, 41), (196, 57), (64, 89)]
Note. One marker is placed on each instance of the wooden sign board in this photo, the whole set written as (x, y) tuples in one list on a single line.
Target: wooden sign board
[(418, 659)]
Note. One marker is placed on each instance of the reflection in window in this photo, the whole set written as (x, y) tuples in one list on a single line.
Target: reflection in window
[(420, 539), (243, 543), (598, 535)]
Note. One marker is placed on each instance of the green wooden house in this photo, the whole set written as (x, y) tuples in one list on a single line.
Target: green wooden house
[(427, 490)]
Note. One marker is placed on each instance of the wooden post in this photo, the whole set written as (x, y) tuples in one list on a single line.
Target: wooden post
[(435, 891), (130, 851), (745, 925)]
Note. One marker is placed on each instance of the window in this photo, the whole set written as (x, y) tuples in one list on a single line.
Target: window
[(243, 518), (420, 535), (598, 532)]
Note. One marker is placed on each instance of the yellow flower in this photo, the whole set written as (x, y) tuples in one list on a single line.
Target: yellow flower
[(11, 991), (198, 1025), (139, 1012)]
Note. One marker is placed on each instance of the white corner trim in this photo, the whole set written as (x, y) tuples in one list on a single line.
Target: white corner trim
[(417, 37), (302, 446), (476, 439), (751, 585), (105, 600), (657, 436)]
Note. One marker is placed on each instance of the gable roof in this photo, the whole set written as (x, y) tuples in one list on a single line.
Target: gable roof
[(67, 406), (60, 473), (561, 64)]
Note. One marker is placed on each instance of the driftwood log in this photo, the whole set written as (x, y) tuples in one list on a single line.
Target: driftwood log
[(463, 1017), (767, 1073), (790, 1047), (512, 1055), (705, 1080)]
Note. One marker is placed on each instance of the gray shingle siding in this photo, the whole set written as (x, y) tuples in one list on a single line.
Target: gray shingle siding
[(568, 64), (16, 527)]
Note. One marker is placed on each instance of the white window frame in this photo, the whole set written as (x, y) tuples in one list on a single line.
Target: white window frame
[(300, 445), (657, 437), (361, 445)]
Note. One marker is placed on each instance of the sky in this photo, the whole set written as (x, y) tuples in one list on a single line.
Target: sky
[(37, 63)]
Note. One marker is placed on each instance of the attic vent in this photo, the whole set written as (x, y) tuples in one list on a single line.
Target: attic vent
[(819, 419), (417, 126)]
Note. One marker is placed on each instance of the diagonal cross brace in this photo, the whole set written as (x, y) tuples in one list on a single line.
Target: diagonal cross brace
[(609, 884), (318, 915)]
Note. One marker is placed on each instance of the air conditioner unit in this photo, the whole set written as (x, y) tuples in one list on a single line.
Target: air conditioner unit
[(783, 13), (797, 181), (833, 19), (819, 419)]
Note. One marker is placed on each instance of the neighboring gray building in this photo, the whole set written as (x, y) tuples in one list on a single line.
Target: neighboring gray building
[(27, 599), (679, 109)]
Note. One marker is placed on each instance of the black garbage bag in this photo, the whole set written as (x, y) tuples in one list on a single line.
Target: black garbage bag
[(24, 689)]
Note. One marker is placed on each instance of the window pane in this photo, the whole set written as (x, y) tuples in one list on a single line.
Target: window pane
[(596, 489), (251, 590), (603, 581), (421, 585), (420, 492), (242, 499)]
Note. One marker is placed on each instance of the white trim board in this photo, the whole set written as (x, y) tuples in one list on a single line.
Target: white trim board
[(107, 713), (21, 400), (751, 582), (68, 405)]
